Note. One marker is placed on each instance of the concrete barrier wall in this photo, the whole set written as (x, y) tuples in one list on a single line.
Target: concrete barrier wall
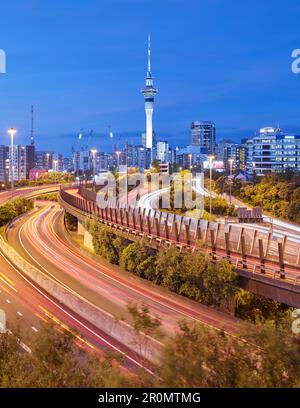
[(145, 346)]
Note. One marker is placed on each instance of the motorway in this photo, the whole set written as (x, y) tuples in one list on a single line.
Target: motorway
[(279, 228), (26, 191), (40, 239), (27, 305)]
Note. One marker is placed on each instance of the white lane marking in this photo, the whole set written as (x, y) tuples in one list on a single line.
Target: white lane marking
[(20, 314), (34, 329), (11, 287), (8, 301), (74, 318)]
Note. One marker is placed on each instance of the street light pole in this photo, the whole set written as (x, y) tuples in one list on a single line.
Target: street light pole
[(12, 132), (210, 158)]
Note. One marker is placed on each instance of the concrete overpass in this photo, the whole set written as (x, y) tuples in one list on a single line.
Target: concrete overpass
[(267, 264)]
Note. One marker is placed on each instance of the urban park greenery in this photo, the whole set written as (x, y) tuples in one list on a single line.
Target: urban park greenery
[(14, 208), (277, 193), (190, 274)]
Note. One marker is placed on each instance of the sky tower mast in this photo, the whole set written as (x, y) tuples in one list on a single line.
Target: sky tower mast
[(149, 93)]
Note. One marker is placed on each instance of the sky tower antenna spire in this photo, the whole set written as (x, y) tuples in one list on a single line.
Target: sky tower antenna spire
[(149, 53)]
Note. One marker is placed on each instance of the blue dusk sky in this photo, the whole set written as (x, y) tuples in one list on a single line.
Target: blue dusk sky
[(82, 65)]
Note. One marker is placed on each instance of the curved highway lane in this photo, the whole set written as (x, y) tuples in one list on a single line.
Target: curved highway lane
[(103, 284)]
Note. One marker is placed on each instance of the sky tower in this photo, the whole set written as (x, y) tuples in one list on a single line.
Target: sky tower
[(149, 92)]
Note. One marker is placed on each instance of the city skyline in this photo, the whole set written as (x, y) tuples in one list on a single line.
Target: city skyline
[(239, 85)]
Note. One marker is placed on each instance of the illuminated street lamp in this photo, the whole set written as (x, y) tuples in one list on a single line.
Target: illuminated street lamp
[(210, 159), (12, 132), (230, 181)]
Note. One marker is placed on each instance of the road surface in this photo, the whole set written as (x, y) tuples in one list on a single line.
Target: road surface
[(26, 305), (107, 286)]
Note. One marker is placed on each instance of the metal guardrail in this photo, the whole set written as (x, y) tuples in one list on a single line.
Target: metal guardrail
[(166, 228)]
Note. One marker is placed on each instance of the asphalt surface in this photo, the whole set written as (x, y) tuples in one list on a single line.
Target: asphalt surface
[(105, 285), (26, 305)]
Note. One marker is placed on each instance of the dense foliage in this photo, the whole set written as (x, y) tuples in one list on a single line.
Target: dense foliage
[(192, 275), (261, 355), (13, 209), (279, 194), (276, 193)]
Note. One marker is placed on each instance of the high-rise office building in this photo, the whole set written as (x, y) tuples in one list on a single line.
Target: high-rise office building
[(232, 152), (162, 151), (149, 93), (204, 135), (18, 169), (43, 160), (30, 158), (272, 150), (68, 164), (4, 163), (57, 162)]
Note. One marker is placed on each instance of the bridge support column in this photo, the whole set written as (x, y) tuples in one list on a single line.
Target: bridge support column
[(148, 224), (176, 231), (80, 227), (213, 244), (227, 243), (240, 239), (253, 242), (244, 254), (261, 256), (133, 219), (198, 231), (87, 237), (157, 227), (187, 234), (281, 260), (141, 222), (127, 218), (206, 230), (268, 244), (167, 230)]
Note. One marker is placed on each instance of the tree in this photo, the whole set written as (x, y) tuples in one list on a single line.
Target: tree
[(7, 213), (155, 167), (168, 268), (134, 257), (255, 308), (193, 267), (220, 284), (202, 357), (262, 355)]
